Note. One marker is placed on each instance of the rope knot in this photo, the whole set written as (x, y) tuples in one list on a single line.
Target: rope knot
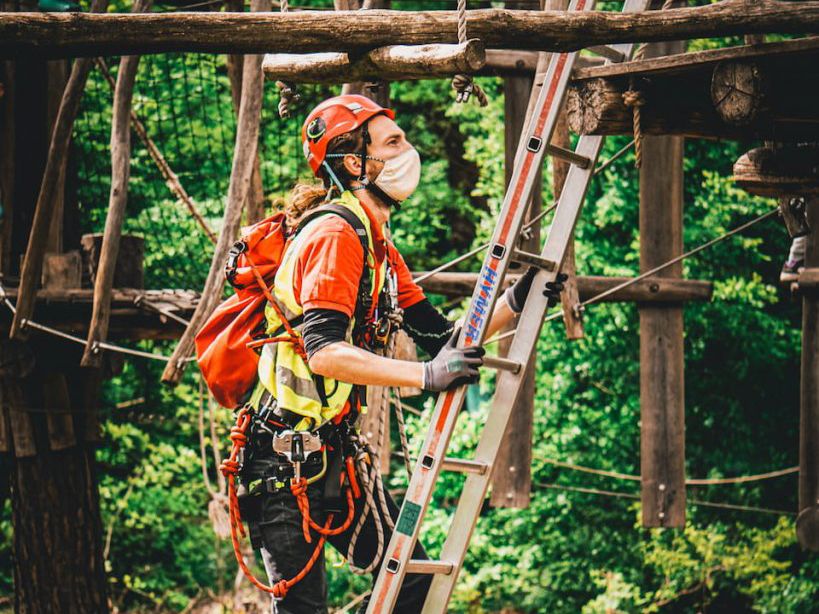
[(229, 467), (466, 87), (633, 98), (238, 436), (298, 488), (287, 96), (280, 589)]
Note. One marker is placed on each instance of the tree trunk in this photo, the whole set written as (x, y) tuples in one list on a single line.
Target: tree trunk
[(58, 564)]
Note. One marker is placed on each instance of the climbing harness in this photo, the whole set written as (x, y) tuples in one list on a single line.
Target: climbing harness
[(231, 468)]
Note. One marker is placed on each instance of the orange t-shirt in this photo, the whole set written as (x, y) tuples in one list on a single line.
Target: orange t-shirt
[(329, 265)]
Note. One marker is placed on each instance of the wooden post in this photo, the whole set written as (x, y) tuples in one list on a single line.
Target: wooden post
[(48, 198), (807, 523), (662, 401), (244, 156), (512, 476), (120, 174), (55, 507), (570, 299), (254, 207)]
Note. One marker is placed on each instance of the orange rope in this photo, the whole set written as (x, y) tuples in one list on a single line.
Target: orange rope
[(230, 468), (299, 490), (293, 337)]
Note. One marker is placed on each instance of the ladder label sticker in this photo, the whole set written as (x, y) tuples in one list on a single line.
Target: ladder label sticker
[(410, 512), (480, 308)]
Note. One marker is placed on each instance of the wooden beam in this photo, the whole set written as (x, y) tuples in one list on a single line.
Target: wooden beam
[(662, 387), (47, 197), (394, 63), (779, 171), (649, 290), (244, 155), (807, 523), (118, 199), (684, 62), (81, 34), (765, 91)]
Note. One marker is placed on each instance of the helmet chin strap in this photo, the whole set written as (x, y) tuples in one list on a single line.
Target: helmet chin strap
[(365, 182)]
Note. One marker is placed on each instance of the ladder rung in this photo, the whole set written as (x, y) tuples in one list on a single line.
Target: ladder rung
[(568, 155), (441, 567), (533, 260), (610, 53), (501, 364), (464, 465)]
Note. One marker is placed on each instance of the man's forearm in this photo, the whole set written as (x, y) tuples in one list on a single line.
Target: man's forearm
[(502, 315), (347, 363)]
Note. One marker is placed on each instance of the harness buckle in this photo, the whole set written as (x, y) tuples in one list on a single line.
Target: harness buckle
[(296, 446)]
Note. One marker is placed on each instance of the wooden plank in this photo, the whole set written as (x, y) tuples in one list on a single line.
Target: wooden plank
[(244, 155), (118, 199), (708, 59), (662, 384), (62, 270), (512, 474), (59, 419), (570, 298), (22, 430), (779, 171), (511, 62), (48, 200), (78, 34), (807, 523), (690, 104)]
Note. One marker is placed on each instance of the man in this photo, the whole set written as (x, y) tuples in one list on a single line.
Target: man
[(339, 281)]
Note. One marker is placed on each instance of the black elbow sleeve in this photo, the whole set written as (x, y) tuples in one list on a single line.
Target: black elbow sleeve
[(427, 327), (322, 327)]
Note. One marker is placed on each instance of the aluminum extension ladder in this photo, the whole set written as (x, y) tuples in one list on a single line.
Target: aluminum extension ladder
[(534, 142)]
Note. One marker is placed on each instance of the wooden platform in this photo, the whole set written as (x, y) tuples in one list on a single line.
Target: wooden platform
[(751, 91), (135, 314)]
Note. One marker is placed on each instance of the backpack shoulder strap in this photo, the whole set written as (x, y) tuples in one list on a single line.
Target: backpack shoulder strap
[(344, 213)]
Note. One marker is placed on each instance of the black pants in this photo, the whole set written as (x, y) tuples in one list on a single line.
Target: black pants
[(285, 552)]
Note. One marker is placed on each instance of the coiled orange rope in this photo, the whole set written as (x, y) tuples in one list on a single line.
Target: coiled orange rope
[(230, 468)]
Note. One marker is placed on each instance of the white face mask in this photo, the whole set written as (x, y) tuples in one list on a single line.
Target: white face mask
[(400, 175)]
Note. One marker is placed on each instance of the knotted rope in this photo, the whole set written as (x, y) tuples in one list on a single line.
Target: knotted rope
[(464, 84), (634, 99), (287, 91)]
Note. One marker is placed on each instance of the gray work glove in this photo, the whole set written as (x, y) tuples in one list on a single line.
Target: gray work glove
[(453, 366), (517, 293)]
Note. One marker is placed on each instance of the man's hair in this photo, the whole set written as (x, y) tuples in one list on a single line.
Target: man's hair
[(304, 197)]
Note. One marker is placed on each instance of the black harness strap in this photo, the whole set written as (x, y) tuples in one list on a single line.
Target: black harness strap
[(364, 299)]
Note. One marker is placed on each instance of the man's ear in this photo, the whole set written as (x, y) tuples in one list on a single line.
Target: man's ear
[(352, 164)]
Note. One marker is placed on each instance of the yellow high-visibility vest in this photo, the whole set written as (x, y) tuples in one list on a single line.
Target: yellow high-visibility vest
[(282, 371)]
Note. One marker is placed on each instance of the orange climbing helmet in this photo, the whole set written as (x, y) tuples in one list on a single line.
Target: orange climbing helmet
[(333, 117)]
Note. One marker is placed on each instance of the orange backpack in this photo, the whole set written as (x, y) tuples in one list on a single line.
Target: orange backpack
[(227, 344)]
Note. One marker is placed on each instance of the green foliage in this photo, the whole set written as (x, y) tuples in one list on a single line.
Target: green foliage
[(569, 551)]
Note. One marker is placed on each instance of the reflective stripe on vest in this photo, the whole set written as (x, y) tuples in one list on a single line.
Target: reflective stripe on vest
[(281, 370)]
